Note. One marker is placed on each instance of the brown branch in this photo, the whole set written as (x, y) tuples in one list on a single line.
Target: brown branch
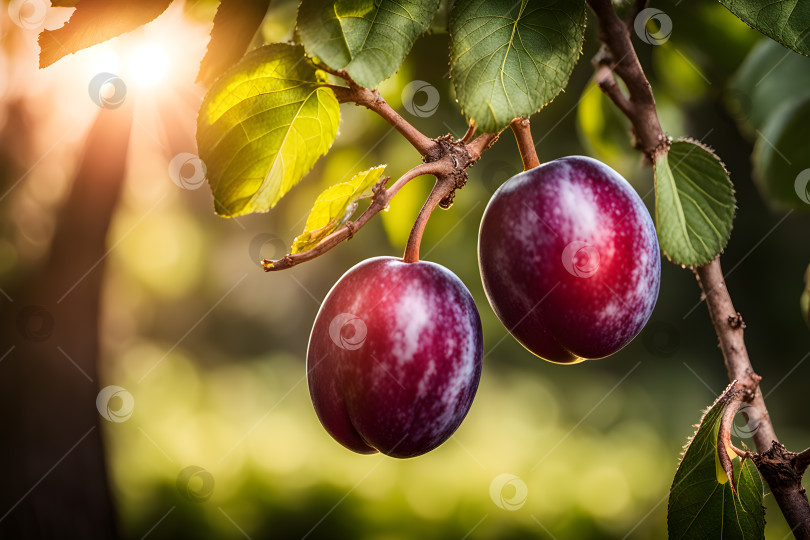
[(620, 56), (802, 461), (372, 100), (444, 186), (774, 463), (382, 197), (523, 135)]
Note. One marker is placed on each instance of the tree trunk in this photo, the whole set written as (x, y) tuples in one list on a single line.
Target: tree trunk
[(52, 463)]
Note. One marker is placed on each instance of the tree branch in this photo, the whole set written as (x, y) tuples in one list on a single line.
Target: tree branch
[(372, 100), (382, 197), (775, 464), (523, 134)]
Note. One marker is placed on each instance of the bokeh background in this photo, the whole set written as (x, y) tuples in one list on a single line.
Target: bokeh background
[(222, 441)]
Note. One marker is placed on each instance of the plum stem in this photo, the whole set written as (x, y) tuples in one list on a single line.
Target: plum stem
[(523, 135), (444, 186), (782, 470)]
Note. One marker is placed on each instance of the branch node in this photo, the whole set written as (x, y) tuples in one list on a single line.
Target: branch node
[(736, 321)]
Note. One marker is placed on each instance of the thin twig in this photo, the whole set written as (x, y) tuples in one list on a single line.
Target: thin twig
[(372, 100), (523, 135), (379, 202), (444, 185)]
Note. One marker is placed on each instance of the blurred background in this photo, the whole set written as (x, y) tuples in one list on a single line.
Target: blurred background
[(207, 428)]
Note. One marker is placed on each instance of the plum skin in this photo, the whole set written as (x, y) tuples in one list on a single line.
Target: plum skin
[(395, 357), (569, 259)]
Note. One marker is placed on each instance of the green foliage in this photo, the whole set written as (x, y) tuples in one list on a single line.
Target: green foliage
[(604, 130), (235, 24), (262, 126), (700, 505), (335, 206), (694, 203), (510, 59), (367, 38), (769, 77), (785, 21), (781, 158), (93, 22)]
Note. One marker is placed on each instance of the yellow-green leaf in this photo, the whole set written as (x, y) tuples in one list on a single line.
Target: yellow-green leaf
[(262, 127), (336, 205)]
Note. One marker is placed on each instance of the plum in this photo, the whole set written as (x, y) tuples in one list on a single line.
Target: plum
[(569, 259), (394, 357)]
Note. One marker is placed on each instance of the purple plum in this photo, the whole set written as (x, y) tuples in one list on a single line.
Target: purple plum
[(394, 357), (569, 259)]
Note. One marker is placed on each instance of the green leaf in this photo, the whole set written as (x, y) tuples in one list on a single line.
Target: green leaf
[(262, 126), (694, 203), (785, 21), (96, 21), (769, 77), (781, 160), (700, 505), (509, 59), (367, 38), (235, 24), (335, 206)]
